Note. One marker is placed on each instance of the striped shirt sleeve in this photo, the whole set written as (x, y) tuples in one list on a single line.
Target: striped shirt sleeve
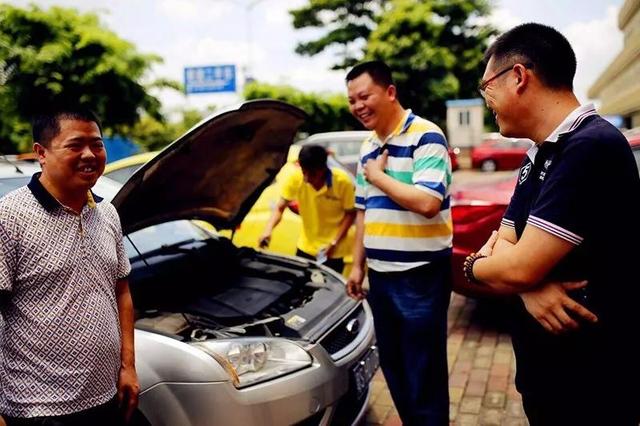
[(432, 165)]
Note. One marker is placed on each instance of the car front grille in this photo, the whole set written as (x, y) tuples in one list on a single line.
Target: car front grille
[(345, 332)]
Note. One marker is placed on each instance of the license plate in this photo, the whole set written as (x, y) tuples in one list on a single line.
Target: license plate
[(364, 370)]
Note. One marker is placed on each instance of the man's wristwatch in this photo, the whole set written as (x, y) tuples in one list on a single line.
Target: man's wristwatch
[(468, 267)]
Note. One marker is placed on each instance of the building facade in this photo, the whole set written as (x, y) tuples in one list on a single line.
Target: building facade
[(465, 122), (618, 87)]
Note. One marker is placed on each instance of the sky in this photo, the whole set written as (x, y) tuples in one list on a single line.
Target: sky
[(257, 34)]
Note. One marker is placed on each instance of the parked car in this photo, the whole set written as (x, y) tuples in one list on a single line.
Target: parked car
[(227, 335), (346, 145), (633, 136), (477, 209), (499, 153)]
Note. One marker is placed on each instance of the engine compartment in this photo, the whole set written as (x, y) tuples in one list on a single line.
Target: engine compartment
[(205, 289)]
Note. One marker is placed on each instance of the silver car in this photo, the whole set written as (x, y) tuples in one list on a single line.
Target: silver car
[(344, 145), (227, 335)]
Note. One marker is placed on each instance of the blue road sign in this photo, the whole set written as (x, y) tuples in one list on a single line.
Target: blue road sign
[(210, 79)]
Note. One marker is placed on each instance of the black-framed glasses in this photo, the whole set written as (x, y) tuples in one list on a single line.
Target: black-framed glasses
[(483, 84)]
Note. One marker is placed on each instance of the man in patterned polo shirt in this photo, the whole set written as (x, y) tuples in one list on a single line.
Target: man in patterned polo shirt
[(572, 220), (66, 354), (404, 224)]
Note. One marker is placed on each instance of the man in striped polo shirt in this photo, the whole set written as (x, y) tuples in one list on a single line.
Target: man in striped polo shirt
[(404, 230)]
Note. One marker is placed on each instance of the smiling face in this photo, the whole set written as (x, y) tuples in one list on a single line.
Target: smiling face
[(74, 159), (369, 102), (497, 97), (505, 94)]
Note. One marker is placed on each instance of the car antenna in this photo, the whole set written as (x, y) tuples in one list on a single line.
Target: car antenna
[(5, 158)]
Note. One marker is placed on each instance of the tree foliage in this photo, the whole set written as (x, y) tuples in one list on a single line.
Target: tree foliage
[(61, 57), (153, 134), (348, 25), (327, 112), (435, 47)]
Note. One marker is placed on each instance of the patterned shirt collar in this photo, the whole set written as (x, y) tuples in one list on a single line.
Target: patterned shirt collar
[(48, 201), (568, 125)]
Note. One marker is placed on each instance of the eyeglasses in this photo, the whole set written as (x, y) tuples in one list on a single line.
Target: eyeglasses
[(483, 84)]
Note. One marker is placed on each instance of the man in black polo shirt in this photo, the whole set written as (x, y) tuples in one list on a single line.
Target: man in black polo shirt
[(564, 245)]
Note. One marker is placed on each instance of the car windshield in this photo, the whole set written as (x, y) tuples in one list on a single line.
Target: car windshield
[(168, 234), (9, 184), (122, 175)]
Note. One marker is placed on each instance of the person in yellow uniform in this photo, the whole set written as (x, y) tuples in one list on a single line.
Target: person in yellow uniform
[(326, 199)]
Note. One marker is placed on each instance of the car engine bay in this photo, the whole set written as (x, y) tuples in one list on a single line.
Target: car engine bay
[(210, 289)]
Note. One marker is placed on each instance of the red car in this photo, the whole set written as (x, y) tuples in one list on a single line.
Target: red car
[(477, 209), (453, 155), (634, 140), (499, 153)]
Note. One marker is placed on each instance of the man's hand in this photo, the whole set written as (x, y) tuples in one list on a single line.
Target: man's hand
[(354, 284), (550, 306), (375, 168), (331, 248), (128, 389), (264, 240), (487, 248)]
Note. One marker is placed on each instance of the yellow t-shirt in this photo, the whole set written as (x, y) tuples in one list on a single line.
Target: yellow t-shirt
[(321, 211)]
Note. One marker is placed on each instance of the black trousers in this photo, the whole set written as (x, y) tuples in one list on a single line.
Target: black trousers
[(107, 414), (336, 264), (581, 409)]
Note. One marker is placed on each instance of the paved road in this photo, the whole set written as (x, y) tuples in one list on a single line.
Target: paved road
[(481, 373)]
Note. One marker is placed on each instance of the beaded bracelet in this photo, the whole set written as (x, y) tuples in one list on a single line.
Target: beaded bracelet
[(468, 267)]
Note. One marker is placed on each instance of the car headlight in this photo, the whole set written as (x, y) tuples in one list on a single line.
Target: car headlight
[(253, 360)]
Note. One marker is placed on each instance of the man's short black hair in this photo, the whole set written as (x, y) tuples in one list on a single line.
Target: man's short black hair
[(46, 125), (312, 157), (550, 53), (379, 71)]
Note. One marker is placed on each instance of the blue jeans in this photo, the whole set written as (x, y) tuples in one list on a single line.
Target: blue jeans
[(410, 317)]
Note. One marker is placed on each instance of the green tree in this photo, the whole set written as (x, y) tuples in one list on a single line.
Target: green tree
[(327, 112), (61, 57), (435, 49), (153, 134), (348, 25)]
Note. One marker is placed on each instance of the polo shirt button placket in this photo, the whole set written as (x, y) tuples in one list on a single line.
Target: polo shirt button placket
[(83, 243)]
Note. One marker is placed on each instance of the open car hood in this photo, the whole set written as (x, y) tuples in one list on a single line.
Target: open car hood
[(215, 171)]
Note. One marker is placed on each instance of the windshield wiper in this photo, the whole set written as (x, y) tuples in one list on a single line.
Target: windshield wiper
[(6, 159), (165, 249)]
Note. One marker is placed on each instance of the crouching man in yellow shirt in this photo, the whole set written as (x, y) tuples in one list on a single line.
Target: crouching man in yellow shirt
[(326, 204)]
